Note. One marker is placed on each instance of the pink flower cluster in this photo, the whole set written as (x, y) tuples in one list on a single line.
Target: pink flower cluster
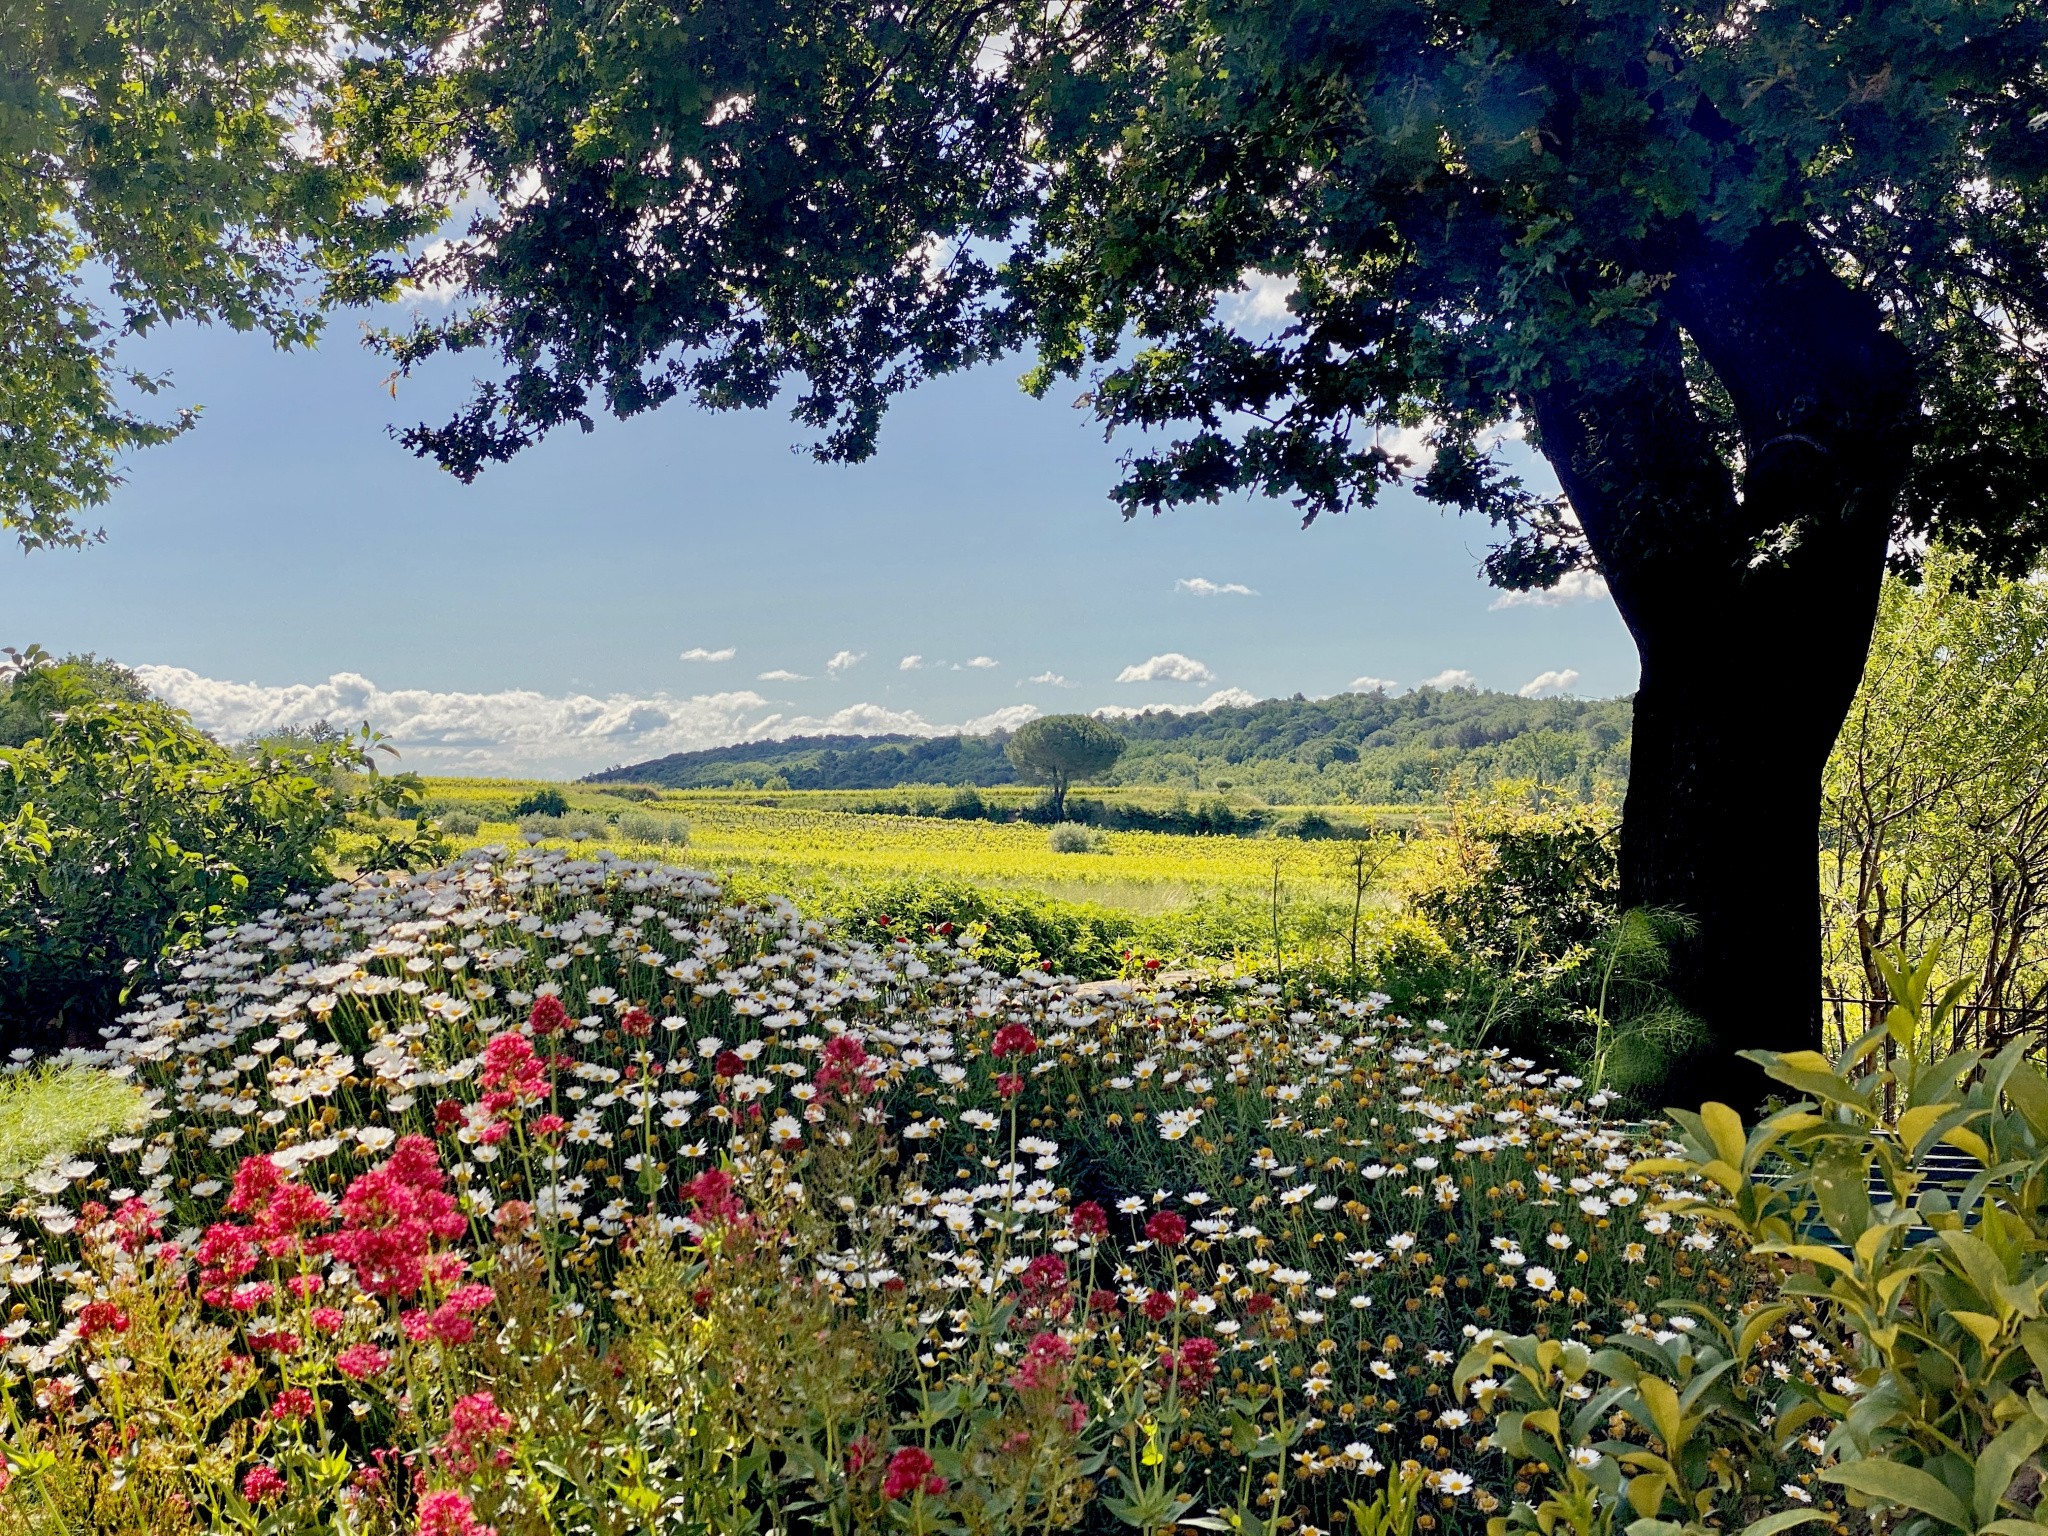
[(391, 1217)]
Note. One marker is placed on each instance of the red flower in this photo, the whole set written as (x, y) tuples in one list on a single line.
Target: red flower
[(1167, 1229), (260, 1484), (447, 1115), (547, 1017), (97, 1317), (727, 1064), (473, 1422), (1089, 1220), (638, 1023), (1195, 1367), (448, 1513), (910, 1470), (391, 1216), (1014, 1040), (292, 1403), (359, 1362), (1102, 1301), (511, 1067), (859, 1453), (1044, 1359), (845, 1066), (549, 1125), (329, 1319), (136, 1224), (1010, 1084), (1159, 1306), (711, 1193)]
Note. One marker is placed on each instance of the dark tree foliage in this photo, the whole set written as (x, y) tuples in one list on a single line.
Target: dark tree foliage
[(1766, 285), (1060, 750), (160, 160)]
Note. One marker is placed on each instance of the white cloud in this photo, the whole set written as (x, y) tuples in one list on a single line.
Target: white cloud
[(1452, 677), (520, 731), (1373, 685), (910, 664), (1051, 680), (1546, 685), (1260, 299), (1222, 698), (700, 653), (1172, 667), (1006, 719), (1201, 586), (1576, 587), (844, 661), (781, 675), (984, 663)]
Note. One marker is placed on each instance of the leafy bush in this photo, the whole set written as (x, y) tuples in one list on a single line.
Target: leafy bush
[(644, 827), (124, 830), (1067, 838), (459, 823), (48, 1112), (548, 801), (1936, 1274)]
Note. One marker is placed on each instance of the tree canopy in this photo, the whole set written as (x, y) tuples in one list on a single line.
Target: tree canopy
[(160, 160), (1056, 750), (1480, 208)]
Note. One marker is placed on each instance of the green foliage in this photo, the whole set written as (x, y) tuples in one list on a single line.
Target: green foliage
[(1013, 930), (542, 802), (123, 829), (1937, 1275), (174, 157), (1935, 829), (1370, 748), (1057, 750), (56, 1111), (651, 827), (1067, 838)]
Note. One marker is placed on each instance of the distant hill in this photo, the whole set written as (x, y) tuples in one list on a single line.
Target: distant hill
[(1361, 747)]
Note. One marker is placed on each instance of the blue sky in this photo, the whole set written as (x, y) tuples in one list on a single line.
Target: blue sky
[(287, 560)]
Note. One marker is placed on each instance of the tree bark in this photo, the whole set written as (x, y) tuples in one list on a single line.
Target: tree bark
[(1746, 558)]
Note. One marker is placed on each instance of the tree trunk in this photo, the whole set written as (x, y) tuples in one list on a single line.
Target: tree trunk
[(1749, 577)]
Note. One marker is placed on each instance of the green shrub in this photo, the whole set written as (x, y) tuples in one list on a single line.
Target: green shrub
[(542, 802), (1015, 929), (124, 828), (459, 823), (1936, 1278), (1068, 838), (644, 827)]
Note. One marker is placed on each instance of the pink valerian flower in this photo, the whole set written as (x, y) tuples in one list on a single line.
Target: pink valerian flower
[(473, 1423), (860, 1454), (711, 1193), (450, 1322), (281, 1210), (261, 1483), (548, 1017), (391, 1217), (511, 1067), (1194, 1367), (97, 1317), (1044, 1289), (1014, 1039), (636, 1023), (359, 1362), (136, 1224), (448, 1513), (1167, 1229), (1088, 1219), (548, 1127), (329, 1319), (1010, 1084), (1044, 1365), (910, 1472), (728, 1064), (292, 1403), (844, 1073)]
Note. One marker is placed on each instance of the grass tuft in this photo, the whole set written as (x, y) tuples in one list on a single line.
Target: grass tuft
[(52, 1112)]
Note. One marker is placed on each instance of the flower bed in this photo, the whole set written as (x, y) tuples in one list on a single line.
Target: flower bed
[(544, 1194)]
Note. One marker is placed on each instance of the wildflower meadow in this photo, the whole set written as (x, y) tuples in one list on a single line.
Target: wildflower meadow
[(552, 1194)]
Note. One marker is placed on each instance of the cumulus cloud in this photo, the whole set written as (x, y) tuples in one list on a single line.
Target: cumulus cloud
[(1545, 685), (1452, 677), (1172, 667), (780, 675), (910, 664), (1005, 719), (1576, 587), (520, 731), (844, 661), (1222, 698), (1201, 586), (984, 663), (1050, 680), (1373, 685), (702, 653), (1259, 301)]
